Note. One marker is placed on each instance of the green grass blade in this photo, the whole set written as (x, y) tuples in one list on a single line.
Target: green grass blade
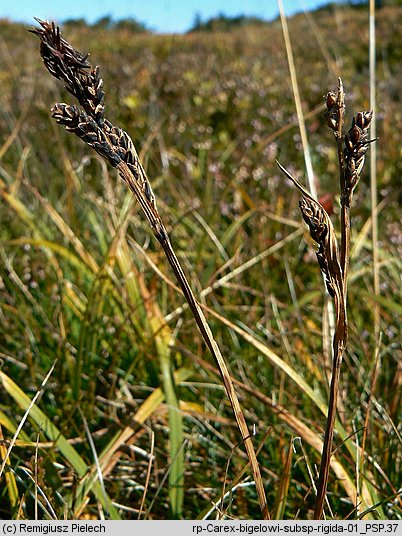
[(283, 487), (176, 435)]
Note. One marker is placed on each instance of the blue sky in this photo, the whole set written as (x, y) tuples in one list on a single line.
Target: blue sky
[(158, 15)]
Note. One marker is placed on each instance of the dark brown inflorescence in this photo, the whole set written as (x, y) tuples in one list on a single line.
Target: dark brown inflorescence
[(89, 123), (314, 215), (73, 68), (332, 114), (80, 123), (323, 233), (356, 145)]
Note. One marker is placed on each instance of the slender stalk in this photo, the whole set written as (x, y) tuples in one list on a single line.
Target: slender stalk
[(299, 108), (373, 172), (339, 348), (163, 238), (345, 207)]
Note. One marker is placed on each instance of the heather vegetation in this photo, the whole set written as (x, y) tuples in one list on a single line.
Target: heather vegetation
[(94, 328)]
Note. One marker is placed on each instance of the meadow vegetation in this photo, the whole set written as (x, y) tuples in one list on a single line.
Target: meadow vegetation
[(133, 420)]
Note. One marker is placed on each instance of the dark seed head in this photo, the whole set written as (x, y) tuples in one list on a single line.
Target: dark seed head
[(330, 100), (363, 119)]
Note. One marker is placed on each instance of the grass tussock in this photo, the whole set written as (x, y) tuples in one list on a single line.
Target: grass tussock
[(133, 420)]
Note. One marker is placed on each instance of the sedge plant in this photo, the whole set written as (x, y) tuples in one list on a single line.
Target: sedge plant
[(89, 123), (333, 258)]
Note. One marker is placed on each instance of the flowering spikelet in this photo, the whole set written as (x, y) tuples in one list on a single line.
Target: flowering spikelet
[(356, 145), (89, 123)]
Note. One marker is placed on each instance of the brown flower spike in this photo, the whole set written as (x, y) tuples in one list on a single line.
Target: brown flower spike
[(356, 145)]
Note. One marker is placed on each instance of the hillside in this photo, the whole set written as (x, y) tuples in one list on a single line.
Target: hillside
[(83, 282)]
